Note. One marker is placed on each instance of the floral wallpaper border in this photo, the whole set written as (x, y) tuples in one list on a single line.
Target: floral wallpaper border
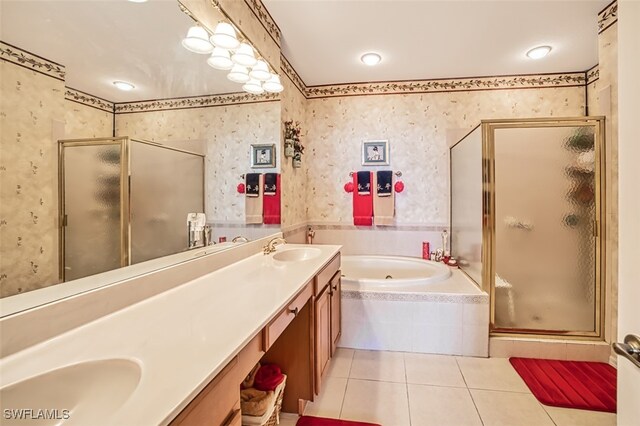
[(89, 100), (437, 85), (259, 9), (608, 16), (593, 74), (193, 102), (31, 61), (287, 69), (449, 85)]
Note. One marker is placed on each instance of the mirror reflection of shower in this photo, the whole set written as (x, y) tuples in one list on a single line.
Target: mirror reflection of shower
[(121, 204)]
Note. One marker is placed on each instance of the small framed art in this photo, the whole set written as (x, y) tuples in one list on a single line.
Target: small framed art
[(375, 153), (263, 156)]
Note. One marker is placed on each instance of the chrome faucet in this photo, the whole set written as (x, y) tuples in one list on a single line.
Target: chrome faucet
[(240, 239), (271, 245)]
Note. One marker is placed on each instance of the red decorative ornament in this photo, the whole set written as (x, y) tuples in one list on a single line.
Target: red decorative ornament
[(399, 186), (240, 188), (348, 187)]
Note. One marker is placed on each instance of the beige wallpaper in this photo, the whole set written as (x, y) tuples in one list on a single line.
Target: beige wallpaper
[(83, 121), (294, 181), (30, 104), (227, 131), (416, 126)]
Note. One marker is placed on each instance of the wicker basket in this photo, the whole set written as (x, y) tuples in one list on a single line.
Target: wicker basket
[(274, 419)]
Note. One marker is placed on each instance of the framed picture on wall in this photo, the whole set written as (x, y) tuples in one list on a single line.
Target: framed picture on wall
[(375, 153), (263, 156)]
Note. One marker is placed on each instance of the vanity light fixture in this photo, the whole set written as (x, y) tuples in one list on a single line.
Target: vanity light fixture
[(197, 40), (220, 59), (244, 55), (224, 36), (253, 86), (371, 59), (260, 71), (539, 52), (123, 85), (273, 85), (238, 74)]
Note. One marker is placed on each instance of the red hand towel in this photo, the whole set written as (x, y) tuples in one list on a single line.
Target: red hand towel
[(271, 206), (362, 205), (268, 377)]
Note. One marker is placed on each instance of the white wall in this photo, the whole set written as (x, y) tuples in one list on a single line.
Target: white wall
[(629, 204)]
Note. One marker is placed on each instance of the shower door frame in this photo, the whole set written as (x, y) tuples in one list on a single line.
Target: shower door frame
[(489, 220), (125, 243)]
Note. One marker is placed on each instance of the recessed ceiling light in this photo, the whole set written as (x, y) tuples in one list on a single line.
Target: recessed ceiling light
[(123, 85), (539, 52), (138, 1), (371, 59)]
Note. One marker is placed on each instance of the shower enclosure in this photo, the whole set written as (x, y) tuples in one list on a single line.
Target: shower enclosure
[(527, 222), (124, 201)]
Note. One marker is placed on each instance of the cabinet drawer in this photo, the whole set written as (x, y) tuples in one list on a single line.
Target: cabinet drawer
[(324, 276), (249, 356), (216, 404), (275, 328)]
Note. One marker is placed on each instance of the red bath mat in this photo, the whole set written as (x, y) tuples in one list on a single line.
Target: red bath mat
[(570, 384), (321, 421)]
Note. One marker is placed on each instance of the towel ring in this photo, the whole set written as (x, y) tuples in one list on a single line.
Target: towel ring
[(351, 174), (242, 176), (398, 173)]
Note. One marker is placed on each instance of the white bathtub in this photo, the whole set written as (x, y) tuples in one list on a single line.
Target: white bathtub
[(369, 272), (408, 304)]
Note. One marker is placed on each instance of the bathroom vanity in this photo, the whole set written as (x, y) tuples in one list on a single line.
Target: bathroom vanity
[(301, 338), (179, 357)]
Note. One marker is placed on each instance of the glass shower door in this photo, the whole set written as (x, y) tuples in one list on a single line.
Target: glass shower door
[(546, 203), (92, 188)]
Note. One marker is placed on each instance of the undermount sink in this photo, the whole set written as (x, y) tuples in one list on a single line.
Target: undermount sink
[(296, 254), (90, 392)]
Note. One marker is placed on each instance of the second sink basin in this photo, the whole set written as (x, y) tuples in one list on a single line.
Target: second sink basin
[(296, 254), (83, 394)]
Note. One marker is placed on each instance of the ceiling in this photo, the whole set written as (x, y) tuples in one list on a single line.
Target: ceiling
[(324, 40), (102, 41)]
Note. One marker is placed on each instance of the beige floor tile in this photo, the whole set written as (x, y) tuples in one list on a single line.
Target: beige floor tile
[(509, 409), (288, 419), (377, 402), (568, 417), (491, 373), (440, 370), (442, 406), (378, 365), (329, 402), (341, 363)]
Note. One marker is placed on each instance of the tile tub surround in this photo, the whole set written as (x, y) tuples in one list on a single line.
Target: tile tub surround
[(436, 322), (178, 336), (400, 240)]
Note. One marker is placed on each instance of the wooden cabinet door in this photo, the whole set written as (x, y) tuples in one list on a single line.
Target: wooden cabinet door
[(336, 310), (323, 335)]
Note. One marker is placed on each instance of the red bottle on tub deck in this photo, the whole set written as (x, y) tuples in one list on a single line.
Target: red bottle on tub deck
[(425, 250)]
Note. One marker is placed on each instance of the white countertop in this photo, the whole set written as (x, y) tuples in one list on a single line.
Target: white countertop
[(181, 338)]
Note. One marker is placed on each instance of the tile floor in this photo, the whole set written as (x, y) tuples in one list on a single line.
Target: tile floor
[(408, 389)]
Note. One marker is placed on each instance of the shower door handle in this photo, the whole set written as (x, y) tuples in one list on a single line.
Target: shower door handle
[(630, 349)]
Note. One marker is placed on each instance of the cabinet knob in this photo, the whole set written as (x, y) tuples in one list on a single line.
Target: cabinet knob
[(294, 312), (335, 287)]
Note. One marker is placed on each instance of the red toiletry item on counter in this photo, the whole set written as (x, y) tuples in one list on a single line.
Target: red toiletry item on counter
[(426, 252)]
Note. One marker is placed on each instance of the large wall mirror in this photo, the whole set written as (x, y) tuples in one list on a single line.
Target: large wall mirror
[(112, 133)]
